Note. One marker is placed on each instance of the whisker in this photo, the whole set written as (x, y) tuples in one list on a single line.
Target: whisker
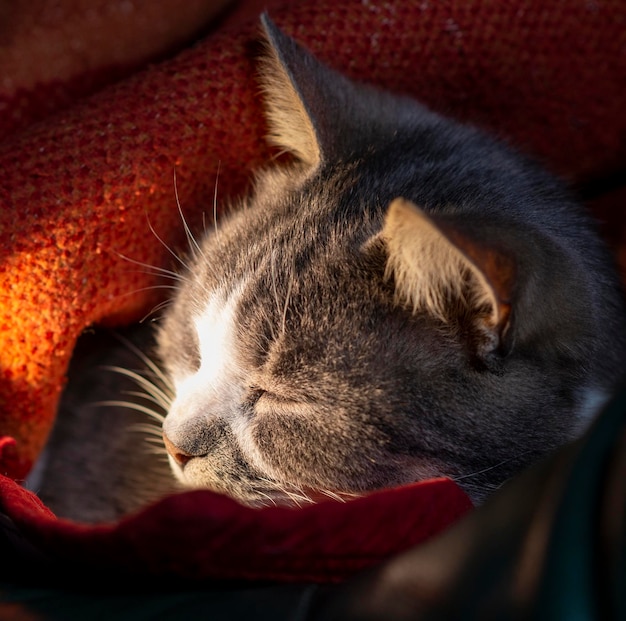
[(151, 444), (294, 494), (155, 269), (191, 240), (167, 384), (332, 495), (505, 461), (217, 176), (149, 429), (185, 265), (156, 309), (152, 438), (298, 497), (148, 397), (164, 398), (267, 496), (278, 154), (128, 404), (150, 288), (153, 450)]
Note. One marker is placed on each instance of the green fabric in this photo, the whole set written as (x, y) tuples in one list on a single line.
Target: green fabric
[(577, 585)]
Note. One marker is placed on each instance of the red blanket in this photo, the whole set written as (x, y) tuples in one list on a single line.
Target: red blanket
[(93, 135), (200, 535)]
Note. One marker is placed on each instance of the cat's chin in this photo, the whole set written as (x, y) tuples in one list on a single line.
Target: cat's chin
[(259, 491), (272, 494)]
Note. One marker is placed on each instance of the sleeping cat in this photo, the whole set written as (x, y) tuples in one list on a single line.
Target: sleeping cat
[(407, 298)]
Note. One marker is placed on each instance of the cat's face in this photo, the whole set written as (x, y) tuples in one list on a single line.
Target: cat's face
[(333, 337), (294, 368)]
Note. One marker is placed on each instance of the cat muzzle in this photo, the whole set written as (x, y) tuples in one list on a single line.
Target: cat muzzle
[(179, 456)]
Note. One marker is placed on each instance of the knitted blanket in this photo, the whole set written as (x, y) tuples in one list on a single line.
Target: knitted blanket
[(92, 132)]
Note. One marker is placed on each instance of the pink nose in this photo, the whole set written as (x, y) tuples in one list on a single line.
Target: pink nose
[(177, 453)]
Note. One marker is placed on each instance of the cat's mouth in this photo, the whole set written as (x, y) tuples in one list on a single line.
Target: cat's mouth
[(244, 483)]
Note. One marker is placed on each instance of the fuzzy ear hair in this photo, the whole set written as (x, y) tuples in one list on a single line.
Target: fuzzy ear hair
[(291, 124), (435, 260), (311, 109)]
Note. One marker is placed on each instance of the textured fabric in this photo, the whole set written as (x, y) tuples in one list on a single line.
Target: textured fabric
[(53, 52), (82, 189), (200, 535)]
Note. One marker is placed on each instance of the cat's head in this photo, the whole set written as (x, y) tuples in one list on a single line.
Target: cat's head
[(379, 311)]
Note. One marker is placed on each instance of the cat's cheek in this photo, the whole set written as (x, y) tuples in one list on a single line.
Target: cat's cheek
[(254, 453), (267, 444), (297, 449)]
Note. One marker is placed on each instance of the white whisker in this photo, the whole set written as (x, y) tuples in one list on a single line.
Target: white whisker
[(267, 496), (149, 429), (185, 265), (151, 388), (191, 240), (148, 397), (293, 493), (130, 405), (333, 496), (217, 176), (153, 450), (156, 370), (150, 288), (298, 497), (478, 472), (156, 309), (155, 270), (152, 438)]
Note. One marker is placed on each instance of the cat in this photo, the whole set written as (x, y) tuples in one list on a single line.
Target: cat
[(406, 298)]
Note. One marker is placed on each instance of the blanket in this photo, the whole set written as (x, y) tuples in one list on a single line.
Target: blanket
[(94, 132)]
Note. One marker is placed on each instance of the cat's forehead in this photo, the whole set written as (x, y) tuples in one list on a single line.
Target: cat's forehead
[(215, 324)]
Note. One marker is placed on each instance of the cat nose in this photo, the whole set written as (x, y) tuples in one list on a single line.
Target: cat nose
[(180, 457)]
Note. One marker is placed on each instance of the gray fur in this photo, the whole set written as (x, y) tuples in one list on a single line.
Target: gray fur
[(358, 361), (344, 387)]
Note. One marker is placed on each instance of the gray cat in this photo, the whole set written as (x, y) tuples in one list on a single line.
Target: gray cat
[(407, 298)]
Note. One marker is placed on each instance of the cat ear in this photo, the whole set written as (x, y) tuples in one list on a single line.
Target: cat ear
[(307, 103), (320, 115), (439, 261), (290, 120)]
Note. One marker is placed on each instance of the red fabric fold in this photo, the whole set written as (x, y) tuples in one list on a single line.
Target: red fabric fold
[(202, 536)]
